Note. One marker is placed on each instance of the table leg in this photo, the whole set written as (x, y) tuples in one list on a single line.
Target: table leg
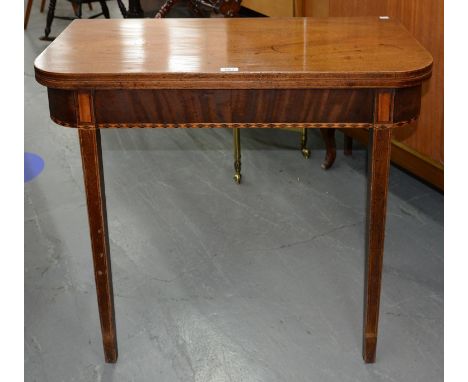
[(328, 136), (379, 165), (90, 144)]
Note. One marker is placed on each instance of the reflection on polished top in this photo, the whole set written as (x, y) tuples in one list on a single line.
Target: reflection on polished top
[(233, 53)]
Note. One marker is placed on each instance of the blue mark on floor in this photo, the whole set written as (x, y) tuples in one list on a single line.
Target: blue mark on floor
[(33, 166)]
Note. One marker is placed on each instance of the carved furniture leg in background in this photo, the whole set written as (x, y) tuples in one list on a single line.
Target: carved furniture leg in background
[(379, 167), (42, 5), (165, 9), (229, 8), (348, 145), (237, 155), (305, 151), (195, 8), (330, 144), (50, 18)]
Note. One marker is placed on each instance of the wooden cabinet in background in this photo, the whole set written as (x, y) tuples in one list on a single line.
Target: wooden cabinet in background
[(420, 150)]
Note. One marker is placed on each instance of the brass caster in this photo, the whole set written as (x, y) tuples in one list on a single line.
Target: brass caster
[(237, 178), (305, 153)]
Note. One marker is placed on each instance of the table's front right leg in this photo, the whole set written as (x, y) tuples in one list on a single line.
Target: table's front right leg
[(379, 167), (90, 145)]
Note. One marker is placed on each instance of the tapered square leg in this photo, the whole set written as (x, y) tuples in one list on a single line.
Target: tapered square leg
[(379, 165), (90, 145)]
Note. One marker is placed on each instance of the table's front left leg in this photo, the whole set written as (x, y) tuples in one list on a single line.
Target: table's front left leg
[(90, 144)]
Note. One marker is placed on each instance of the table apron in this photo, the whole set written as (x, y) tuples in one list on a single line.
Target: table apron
[(247, 108)]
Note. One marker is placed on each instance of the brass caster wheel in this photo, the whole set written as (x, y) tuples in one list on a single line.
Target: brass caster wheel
[(237, 155), (305, 153), (304, 150)]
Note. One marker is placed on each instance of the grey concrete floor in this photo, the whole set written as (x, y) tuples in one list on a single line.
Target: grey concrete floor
[(219, 282)]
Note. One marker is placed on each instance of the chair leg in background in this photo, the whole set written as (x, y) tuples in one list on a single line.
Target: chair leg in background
[(50, 18), (105, 10), (79, 10)]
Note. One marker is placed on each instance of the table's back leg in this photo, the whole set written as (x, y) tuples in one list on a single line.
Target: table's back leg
[(237, 155), (379, 167), (95, 196)]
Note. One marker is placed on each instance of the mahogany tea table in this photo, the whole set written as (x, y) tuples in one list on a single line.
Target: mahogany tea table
[(235, 73)]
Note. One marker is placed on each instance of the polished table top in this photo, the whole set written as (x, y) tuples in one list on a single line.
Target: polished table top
[(234, 53)]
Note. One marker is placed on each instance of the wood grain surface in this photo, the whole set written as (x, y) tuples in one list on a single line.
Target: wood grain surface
[(91, 155), (223, 107), (266, 52)]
